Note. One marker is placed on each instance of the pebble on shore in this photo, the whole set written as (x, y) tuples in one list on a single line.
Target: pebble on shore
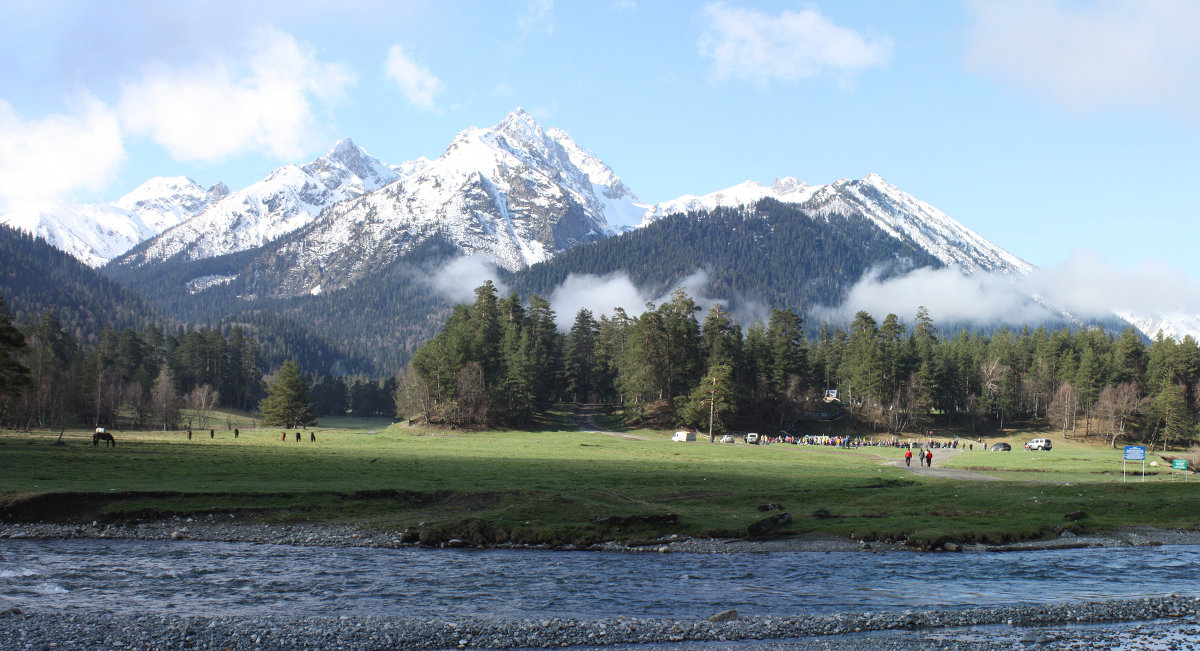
[(1173, 617)]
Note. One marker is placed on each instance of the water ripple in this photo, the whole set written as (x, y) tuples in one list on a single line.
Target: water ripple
[(192, 577)]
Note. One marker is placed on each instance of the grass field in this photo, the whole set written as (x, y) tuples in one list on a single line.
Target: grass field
[(559, 485)]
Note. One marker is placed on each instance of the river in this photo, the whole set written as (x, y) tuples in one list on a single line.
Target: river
[(212, 578)]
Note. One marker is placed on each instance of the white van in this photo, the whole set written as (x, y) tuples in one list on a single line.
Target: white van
[(752, 438), (684, 436), (1039, 444)]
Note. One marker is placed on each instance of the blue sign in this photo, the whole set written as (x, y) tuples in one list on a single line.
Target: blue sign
[(1135, 453)]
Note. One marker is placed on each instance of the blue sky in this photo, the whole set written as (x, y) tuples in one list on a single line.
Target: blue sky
[(1055, 128)]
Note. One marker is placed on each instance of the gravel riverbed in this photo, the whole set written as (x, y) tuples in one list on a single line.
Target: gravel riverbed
[(1168, 623)]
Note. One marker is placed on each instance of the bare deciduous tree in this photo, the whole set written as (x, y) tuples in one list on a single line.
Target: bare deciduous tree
[(473, 400), (166, 403), (413, 398), (1063, 407), (1116, 404), (202, 399)]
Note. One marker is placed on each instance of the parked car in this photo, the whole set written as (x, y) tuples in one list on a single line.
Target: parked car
[(728, 438), (1002, 447), (752, 438), (1039, 444), (684, 436)]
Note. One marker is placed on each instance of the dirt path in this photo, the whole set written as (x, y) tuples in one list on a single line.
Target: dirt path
[(941, 455), (583, 420)]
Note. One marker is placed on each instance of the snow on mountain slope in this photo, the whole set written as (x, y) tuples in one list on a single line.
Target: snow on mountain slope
[(96, 233), (287, 199), (514, 192), (1172, 325), (786, 190), (899, 214)]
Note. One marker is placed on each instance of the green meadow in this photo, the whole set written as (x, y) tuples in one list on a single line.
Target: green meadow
[(558, 485)]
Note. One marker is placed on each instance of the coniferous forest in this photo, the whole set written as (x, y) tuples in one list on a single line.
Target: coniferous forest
[(144, 379), (499, 362)]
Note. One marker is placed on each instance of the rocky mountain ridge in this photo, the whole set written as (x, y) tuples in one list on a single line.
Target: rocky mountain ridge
[(514, 193)]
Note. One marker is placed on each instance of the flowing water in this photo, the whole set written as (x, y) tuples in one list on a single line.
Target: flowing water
[(192, 577)]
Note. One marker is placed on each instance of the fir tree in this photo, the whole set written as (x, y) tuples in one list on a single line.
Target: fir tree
[(287, 403), (14, 376)]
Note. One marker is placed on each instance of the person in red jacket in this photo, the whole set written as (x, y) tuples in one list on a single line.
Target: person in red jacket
[(929, 458), (908, 457)]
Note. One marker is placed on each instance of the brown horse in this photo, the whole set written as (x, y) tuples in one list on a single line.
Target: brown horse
[(103, 436)]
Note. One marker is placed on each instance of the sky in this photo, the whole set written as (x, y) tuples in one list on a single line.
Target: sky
[(1059, 129)]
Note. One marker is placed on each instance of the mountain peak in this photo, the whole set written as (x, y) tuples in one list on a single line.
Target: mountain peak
[(876, 180), (217, 191), (344, 147), (521, 126)]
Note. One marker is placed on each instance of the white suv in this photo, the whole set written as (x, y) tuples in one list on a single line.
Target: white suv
[(1039, 444)]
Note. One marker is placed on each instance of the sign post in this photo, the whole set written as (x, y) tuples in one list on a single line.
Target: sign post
[(1134, 453), (1178, 464)]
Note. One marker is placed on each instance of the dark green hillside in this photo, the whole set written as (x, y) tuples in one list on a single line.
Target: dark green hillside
[(371, 327), (775, 254), (36, 277)]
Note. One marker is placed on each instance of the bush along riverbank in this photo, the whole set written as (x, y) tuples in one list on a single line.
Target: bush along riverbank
[(1047, 626)]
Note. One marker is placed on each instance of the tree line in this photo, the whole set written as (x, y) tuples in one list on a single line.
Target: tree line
[(142, 379), (125, 379), (501, 362)]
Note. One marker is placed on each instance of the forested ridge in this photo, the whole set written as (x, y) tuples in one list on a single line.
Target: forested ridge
[(36, 277), (771, 253), (497, 362), (371, 327)]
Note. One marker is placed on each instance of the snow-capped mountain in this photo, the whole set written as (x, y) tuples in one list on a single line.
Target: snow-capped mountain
[(287, 199), (96, 233), (1172, 326), (513, 192), (897, 213)]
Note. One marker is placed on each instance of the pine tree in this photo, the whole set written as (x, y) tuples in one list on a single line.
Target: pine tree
[(287, 403), (579, 356), (711, 401), (13, 374)]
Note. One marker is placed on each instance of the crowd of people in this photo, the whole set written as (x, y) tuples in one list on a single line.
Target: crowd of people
[(859, 442)]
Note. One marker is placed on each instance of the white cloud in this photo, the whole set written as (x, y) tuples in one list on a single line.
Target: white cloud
[(417, 83), (457, 281), (58, 154), (536, 17), (1090, 55), (948, 294), (623, 5), (208, 112), (750, 45), (599, 294), (1084, 286)]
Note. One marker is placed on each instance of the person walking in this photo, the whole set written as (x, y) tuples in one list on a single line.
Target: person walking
[(908, 457), (929, 458)]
